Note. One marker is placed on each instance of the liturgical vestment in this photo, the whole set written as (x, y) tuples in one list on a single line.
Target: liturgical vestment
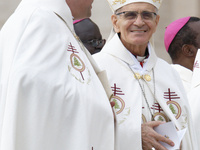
[(50, 95), (194, 96), (165, 99)]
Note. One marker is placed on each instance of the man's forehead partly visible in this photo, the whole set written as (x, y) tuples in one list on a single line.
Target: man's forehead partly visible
[(137, 6), (116, 4)]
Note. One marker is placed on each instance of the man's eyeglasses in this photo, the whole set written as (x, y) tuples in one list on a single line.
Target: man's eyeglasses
[(95, 42), (132, 15)]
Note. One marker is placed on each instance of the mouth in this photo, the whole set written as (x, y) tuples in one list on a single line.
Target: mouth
[(139, 31)]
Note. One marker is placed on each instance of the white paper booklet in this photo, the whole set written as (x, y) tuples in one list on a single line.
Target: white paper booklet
[(168, 130)]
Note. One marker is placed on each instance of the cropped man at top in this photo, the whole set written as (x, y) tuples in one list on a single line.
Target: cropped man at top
[(147, 91), (50, 95)]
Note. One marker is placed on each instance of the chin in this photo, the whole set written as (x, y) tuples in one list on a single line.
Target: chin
[(139, 41), (84, 15), (89, 14), (135, 42)]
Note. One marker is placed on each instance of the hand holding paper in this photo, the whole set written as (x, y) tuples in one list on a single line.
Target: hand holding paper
[(150, 138), (168, 130)]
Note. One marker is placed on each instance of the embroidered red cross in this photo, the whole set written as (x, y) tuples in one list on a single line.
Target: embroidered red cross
[(72, 48), (116, 90), (170, 95), (156, 106)]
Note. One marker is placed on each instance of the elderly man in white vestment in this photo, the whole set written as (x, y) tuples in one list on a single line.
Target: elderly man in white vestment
[(182, 41), (147, 91), (50, 95)]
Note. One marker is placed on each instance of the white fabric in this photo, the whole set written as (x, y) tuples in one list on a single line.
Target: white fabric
[(131, 107), (185, 74), (194, 96), (51, 98)]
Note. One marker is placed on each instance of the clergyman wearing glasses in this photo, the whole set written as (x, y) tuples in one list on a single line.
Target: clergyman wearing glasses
[(147, 91)]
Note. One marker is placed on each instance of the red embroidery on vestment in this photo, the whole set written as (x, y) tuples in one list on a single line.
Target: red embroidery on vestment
[(119, 102), (76, 61), (116, 90), (159, 116), (156, 106), (173, 105), (196, 64)]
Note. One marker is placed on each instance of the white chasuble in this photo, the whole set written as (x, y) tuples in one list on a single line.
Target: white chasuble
[(51, 98), (157, 81), (194, 96), (185, 75)]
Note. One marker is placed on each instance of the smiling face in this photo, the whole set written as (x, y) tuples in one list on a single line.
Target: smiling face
[(135, 32)]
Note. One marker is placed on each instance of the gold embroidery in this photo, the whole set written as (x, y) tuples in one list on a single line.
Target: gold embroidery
[(117, 1), (145, 77), (156, 1)]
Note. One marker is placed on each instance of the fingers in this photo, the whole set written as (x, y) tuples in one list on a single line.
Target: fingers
[(150, 138), (154, 123), (164, 139), (157, 145), (151, 142)]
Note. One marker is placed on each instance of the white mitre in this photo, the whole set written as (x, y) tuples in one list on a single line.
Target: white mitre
[(116, 4)]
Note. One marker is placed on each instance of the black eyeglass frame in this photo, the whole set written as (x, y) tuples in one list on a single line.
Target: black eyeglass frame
[(124, 12), (95, 42)]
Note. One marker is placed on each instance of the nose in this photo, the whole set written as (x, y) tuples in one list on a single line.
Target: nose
[(139, 21), (100, 45)]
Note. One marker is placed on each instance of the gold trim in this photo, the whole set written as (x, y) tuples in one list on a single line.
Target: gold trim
[(118, 1), (156, 1)]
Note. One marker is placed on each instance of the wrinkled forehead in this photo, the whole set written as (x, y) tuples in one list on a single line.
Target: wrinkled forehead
[(116, 4), (139, 6)]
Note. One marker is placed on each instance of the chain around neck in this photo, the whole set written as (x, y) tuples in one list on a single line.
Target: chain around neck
[(143, 92)]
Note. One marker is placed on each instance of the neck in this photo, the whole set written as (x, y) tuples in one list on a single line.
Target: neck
[(138, 50), (187, 65)]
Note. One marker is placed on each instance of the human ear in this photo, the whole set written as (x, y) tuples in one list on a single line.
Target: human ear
[(114, 20), (189, 50)]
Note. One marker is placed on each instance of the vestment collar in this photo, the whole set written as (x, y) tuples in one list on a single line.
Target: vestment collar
[(117, 49), (196, 71), (185, 74)]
